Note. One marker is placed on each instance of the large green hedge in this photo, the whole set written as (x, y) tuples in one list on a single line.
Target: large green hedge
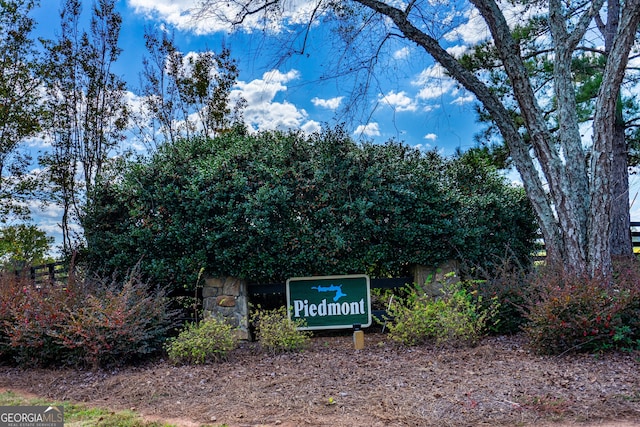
[(273, 205)]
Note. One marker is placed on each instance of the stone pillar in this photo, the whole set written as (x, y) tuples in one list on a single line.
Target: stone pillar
[(227, 297)]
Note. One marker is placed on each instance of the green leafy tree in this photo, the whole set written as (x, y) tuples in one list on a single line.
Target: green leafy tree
[(20, 112), (85, 103), (186, 95), (23, 245)]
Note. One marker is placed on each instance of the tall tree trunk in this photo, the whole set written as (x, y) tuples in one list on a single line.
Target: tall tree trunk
[(620, 236), (605, 123)]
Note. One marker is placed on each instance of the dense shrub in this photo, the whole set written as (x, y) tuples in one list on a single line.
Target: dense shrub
[(576, 314), (211, 340), (277, 333), (117, 323), (273, 205), (495, 216), (31, 317), (92, 323), (509, 283), (455, 318)]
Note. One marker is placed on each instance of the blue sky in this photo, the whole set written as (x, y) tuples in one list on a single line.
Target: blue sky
[(411, 99), (413, 104)]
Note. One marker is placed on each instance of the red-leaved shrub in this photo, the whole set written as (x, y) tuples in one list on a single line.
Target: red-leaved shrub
[(567, 313), (31, 315), (116, 324), (92, 323)]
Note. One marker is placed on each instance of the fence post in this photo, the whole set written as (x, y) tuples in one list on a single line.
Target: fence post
[(52, 272)]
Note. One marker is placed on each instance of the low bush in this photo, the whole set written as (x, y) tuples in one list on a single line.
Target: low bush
[(90, 322), (208, 341), (117, 323), (414, 318), (577, 314), (457, 317), (508, 283), (277, 333), (31, 318)]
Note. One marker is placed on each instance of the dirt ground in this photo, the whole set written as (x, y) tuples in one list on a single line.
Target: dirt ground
[(497, 383)]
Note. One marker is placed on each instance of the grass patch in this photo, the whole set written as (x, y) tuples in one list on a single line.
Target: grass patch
[(80, 416)]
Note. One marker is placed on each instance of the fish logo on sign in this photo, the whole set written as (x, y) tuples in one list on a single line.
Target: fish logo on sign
[(333, 288)]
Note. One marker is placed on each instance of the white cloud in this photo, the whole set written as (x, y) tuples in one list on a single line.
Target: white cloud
[(331, 104), (175, 12), (38, 142), (430, 108), (273, 115), (431, 137), (262, 112), (473, 31), (184, 15), (516, 13), (457, 51), (434, 83), (435, 71), (370, 129), (461, 100), (311, 127), (401, 53), (261, 91), (398, 101)]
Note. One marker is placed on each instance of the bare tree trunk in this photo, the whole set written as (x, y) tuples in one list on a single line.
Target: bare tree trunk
[(604, 128), (576, 217), (620, 237)]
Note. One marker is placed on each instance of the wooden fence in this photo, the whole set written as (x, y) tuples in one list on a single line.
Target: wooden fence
[(635, 236), (52, 272)]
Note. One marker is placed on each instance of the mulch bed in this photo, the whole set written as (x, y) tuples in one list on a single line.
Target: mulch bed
[(498, 382)]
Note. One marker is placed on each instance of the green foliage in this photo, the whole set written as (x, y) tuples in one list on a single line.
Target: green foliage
[(86, 110), (277, 333), (576, 314), (495, 217), (20, 105), (414, 318), (83, 323), (208, 341), (457, 317), (22, 246), (269, 206), (509, 284)]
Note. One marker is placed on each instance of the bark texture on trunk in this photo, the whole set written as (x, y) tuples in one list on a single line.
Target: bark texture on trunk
[(620, 238), (573, 198)]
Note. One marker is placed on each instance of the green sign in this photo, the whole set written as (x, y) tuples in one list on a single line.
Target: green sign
[(330, 302)]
